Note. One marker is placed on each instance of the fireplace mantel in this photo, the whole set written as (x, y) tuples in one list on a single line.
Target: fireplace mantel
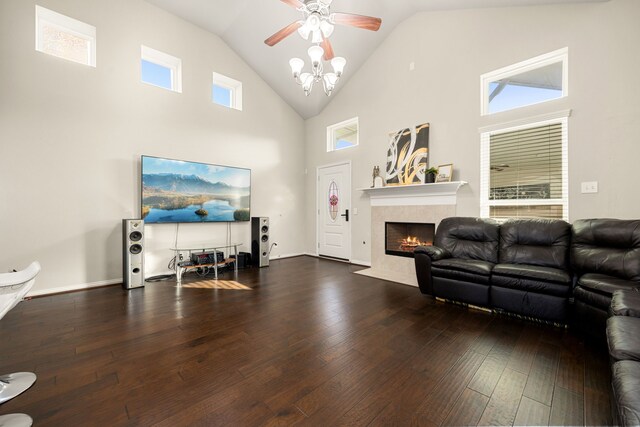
[(441, 193)]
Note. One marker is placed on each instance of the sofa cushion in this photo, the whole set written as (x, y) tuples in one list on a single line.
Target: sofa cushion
[(468, 270), (603, 284), (625, 303), (606, 246), (546, 274), (625, 378), (591, 298), (469, 238), (532, 278), (543, 242), (623, 337)]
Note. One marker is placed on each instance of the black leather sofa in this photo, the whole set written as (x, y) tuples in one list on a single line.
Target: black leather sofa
[(521, 266), (623, 338), (605, 256)]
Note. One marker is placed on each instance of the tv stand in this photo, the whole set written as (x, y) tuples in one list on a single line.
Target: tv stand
[(189, 249)]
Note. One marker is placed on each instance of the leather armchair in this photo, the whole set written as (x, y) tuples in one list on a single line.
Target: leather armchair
[(605, 255), (532, 277), (458, 266)]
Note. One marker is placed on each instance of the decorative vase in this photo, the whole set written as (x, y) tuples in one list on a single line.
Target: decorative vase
[(430, 178)]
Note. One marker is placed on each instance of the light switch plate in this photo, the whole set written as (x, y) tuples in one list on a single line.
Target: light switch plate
[(590, 187)]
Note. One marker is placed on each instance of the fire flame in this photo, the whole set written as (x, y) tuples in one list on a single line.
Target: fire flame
[(411, 242)]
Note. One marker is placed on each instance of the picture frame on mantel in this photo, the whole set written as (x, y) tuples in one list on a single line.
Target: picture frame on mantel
[(445, 172)]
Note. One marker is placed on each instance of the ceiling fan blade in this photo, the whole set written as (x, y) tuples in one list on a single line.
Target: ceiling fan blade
[(293, 3), (359, 21), (328, 49), (283, 33)]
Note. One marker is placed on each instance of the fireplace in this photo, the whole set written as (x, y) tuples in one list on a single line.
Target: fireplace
[(401, 238)]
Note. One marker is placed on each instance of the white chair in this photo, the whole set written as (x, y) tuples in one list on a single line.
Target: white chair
[(13, 288)]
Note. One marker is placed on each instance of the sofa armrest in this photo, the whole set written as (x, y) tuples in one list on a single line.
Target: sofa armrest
[(433, 252), (423, 256)]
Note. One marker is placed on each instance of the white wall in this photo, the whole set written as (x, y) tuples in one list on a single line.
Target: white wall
[(451, 50), (71, 137)]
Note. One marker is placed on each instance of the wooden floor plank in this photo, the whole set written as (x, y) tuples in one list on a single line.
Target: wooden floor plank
[(311, 343), (468, 409), (541, 379), (567, 408), (503, 405), (532, 413)]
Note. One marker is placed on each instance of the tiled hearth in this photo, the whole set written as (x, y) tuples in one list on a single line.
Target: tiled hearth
[(426, 203)]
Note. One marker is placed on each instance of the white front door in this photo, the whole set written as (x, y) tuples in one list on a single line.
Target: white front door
[(334, 205)]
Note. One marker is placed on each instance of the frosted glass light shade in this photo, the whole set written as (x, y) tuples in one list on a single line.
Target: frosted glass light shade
[(313, 22), (326, 28), (317, 37), (315, 53), (304, 31), (296, 65), (338, 64), (330, 79), (307, 82)]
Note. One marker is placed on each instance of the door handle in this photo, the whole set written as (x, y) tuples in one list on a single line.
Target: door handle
[(346, 215)]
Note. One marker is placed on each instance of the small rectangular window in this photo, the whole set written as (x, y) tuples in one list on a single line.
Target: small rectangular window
[(524, 171), (536, 80), (226, 92), (161, 69), (343, 135), (65, 37)]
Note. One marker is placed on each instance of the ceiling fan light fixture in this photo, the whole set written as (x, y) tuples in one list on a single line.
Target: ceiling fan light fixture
[(313, 22), (304, 31), (326, 2), (317, 37), (327, 28)]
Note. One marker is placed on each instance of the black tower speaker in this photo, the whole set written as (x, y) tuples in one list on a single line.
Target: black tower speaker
[(260, 241), (132, 253)]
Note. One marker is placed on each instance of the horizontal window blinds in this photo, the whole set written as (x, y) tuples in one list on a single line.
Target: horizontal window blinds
[(524, 172), (526, 164)]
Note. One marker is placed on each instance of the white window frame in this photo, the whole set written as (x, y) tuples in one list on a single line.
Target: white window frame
[(67, 25), (331, 129), (171, 62), (561, 117), (560, 55), (234, 86)]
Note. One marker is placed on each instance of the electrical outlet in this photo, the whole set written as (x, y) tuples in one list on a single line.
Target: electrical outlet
[(412, 66), (355, 211), (590, 187)]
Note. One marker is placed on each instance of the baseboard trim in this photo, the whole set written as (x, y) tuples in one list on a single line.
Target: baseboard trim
[(287, 256), (362, 263), (73, 288)]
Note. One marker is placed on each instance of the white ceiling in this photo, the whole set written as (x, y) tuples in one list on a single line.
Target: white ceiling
[(245, 24)]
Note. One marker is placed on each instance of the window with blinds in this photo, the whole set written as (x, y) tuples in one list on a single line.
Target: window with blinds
[(524, 171)]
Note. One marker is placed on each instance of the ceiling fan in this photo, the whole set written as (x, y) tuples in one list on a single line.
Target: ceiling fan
[(318, 22)]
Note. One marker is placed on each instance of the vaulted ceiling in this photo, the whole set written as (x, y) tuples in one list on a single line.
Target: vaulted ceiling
[(245, 24)]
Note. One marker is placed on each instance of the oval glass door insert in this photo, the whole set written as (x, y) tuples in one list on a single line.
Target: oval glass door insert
[(333, 200)]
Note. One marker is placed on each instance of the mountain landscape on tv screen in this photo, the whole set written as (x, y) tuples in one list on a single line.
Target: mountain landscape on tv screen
[(177, 197)]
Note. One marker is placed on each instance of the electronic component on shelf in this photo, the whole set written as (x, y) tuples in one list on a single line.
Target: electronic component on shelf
[(207, 258), (185, 263)]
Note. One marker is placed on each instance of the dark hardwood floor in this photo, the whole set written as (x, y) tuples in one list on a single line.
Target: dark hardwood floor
[(311, 344)]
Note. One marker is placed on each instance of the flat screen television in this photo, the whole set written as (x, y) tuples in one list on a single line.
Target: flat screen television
[(176, 191)]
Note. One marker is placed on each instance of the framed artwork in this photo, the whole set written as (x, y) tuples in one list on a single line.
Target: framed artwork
[(444, 173), (407, 155)]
